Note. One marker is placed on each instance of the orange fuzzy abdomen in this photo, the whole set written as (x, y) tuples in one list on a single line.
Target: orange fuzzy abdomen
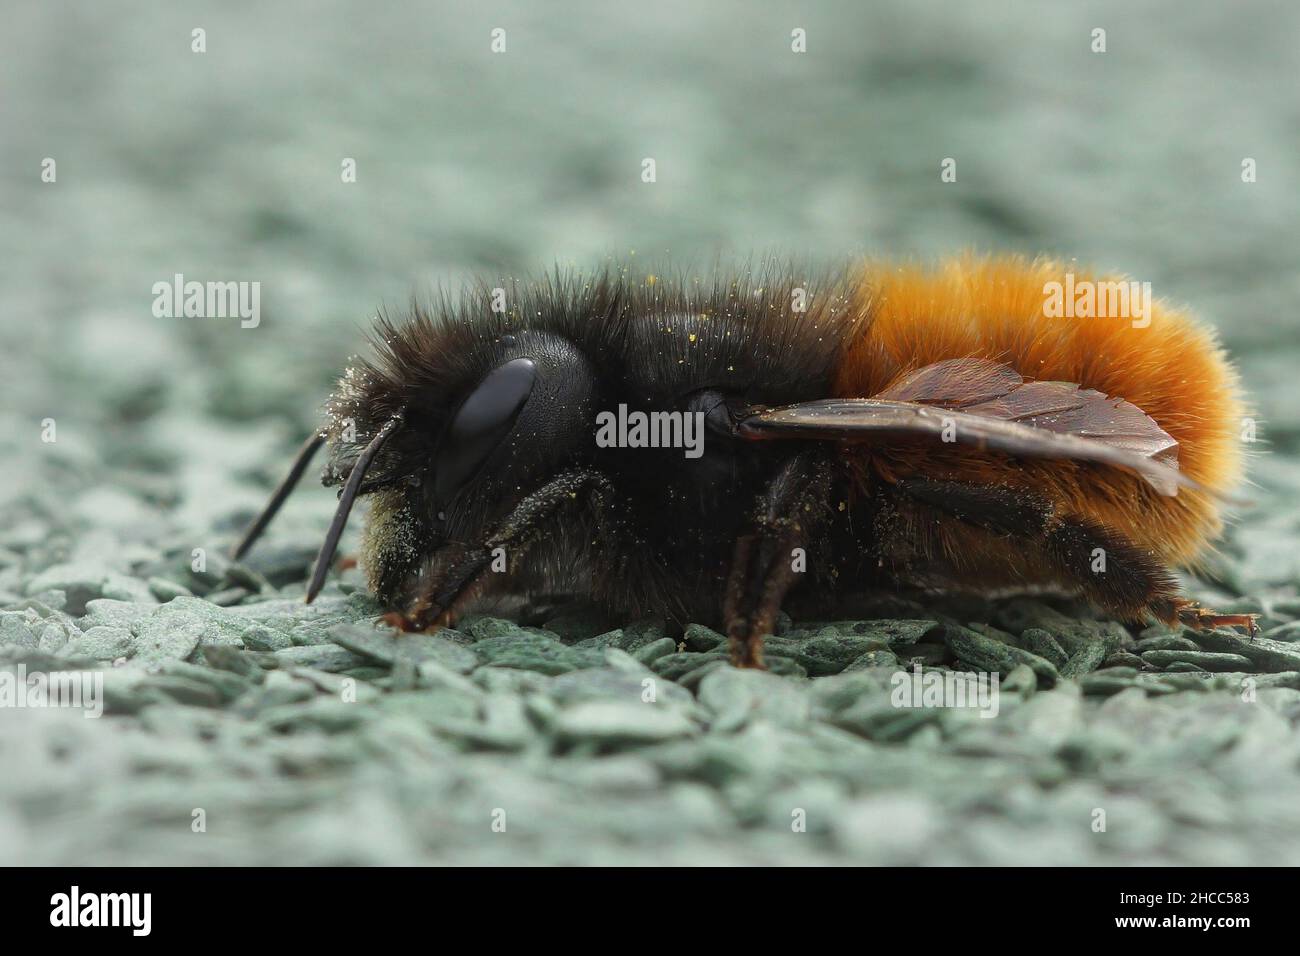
[(1171, 368)]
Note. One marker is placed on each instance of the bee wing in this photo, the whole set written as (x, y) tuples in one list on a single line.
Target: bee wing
[(988, 405)]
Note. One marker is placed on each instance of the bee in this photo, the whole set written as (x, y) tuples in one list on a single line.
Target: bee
[(937, 427)]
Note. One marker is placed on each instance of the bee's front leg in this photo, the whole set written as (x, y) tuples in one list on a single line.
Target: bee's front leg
[(438, 600), (400, 622)]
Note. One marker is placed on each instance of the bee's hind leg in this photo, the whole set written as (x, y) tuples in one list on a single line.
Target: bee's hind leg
[(762, 566), (1131, 582), (1203, 619)]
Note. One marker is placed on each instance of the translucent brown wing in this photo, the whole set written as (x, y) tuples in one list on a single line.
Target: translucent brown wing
[(988, 405)]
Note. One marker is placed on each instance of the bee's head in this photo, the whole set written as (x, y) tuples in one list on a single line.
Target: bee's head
[(486, 418), (474, 423)]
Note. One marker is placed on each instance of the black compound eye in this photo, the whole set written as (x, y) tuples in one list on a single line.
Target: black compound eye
[(481, 423)]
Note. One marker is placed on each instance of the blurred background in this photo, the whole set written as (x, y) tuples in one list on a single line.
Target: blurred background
[(226, 165)]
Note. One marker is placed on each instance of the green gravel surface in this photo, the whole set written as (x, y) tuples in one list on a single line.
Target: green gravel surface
[(242, 726)]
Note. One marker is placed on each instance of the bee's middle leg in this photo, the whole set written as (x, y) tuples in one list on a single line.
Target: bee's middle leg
[(763, 563)]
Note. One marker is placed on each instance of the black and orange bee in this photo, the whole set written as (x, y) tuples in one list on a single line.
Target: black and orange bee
[(925, 426)]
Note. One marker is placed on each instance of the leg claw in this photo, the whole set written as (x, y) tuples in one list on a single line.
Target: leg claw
[(1204, 619), (746, 648), (406, 624), (398, 620)]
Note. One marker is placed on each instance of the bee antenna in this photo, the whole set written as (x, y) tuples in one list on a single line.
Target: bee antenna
[(346, 498), (286, 485)]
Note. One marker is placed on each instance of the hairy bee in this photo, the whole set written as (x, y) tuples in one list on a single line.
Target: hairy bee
[(939, 427)]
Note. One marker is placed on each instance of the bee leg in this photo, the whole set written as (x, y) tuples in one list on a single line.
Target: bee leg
[(757, 583), (438, 602), (763, 565), (1203, 619), (398, 620), (1103, 564)]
